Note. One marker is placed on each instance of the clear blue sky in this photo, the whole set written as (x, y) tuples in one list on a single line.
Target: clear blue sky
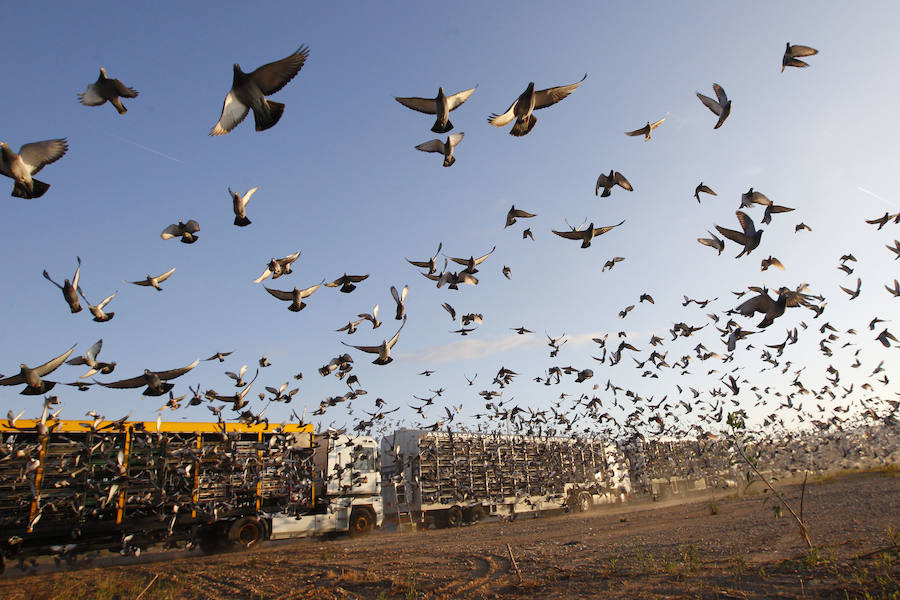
[(340, 180)]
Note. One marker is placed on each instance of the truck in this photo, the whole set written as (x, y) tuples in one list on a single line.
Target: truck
[(443, 479), (70, 487)]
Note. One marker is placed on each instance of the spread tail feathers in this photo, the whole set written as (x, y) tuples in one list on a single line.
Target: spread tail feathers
[(38, 189), (523, 127), (268, 118), (438, 128)]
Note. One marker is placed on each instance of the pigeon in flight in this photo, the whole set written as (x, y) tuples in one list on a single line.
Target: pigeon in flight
[(586, 235), (440, 105), (514, 213), (383, 350), (154, 281), (249, 91), (713, 242), (400, 299), (720, 107), (278, 267), (607, 181), (70, 289), (429, 264), (186, 231), (791, 54), (472, 262), (239, 205), (35, 386), (107, 89), (444, 148), (528, 101), (749, 238), (31, 158), (347, 282), (97, 309), (156, 382), (646, 130), (772, 309), (90, 359), (705, 189), (295, 296)]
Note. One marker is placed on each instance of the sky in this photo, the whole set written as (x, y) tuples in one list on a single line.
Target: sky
[(340, 180)]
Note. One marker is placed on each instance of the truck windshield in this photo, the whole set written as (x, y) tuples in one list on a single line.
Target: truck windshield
[(364, 459)]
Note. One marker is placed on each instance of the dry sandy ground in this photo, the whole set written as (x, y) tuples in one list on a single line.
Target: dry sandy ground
[(742, 551)]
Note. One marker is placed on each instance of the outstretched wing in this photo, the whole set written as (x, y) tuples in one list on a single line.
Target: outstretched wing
[(233, 112), (280, 294), (458, 98), (173, 373), (550, 96), (422, 105), (273, 76)]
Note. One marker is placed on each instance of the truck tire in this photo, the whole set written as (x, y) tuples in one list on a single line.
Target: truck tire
[(585, 502), (245, 532), (476, 513), (454, 516), (362, 521)]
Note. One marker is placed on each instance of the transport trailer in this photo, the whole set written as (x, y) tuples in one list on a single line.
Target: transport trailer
[(69, 487), (443, 479)]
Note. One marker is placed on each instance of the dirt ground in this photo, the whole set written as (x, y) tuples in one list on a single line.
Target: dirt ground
[(727, 548)]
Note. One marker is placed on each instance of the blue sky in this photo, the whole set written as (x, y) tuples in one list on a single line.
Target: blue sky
[(340, 180)]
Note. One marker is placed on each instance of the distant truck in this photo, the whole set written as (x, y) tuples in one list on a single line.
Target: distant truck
[(69, 487), (443, 479)]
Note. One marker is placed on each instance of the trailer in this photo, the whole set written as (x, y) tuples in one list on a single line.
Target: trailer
[(444, 479), (69, 487)]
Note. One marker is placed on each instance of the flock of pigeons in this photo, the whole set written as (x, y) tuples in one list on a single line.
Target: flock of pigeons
[(579, 416)]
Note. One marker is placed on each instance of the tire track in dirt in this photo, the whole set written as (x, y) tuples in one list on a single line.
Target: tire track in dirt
[(489, 568)]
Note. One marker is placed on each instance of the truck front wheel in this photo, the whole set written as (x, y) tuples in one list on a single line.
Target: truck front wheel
[(362, 521)]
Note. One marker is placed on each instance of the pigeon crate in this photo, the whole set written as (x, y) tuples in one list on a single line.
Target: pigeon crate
[(444, 469), (94, 481)]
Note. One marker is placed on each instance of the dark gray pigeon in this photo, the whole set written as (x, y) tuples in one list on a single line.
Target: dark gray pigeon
[(249, 91), (440, 105), (107, 89), (529, 101)]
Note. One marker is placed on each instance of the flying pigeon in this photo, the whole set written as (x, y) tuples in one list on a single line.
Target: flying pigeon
[(31, 158), (239, 205), (249, 91), (107, 89), (278, 267), (183, 230), (441, 105), (646, 130), (608, 181), (295, 296), (445, 148), (70, 289), (586, 235), (383, 350), (157, 382), (154, 281), (528, 101), (35, 386), (792, 52), (721, 107)]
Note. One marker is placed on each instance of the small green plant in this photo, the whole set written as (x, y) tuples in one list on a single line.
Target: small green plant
[(812, 558), (411, 593), (690, 558)]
